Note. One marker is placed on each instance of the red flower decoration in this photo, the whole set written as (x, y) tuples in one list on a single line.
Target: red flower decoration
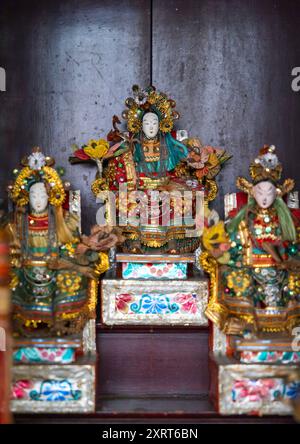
[(19, 389), (122, 301), (188, 303), (80, 154)]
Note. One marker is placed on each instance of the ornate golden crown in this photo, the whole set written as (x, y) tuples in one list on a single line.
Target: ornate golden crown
[(266, 166), (37, 168), (149, 100)]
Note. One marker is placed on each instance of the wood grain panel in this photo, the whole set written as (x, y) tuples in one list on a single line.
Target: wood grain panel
[(152, 364), (69, 68), (228, 65)]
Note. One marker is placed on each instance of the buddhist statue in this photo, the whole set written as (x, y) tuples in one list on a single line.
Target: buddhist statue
[(53, 266), (254, 267), (162, 171), (258, 248)]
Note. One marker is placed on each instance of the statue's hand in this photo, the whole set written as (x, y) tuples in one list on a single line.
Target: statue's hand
[(87, 271), (271, 249), (173, 186), (100, 239), (62, 264), (105, 244), (58, 264), (291, 264)]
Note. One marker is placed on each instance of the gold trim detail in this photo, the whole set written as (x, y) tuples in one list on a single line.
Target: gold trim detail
[(212, 189), (56, 192), (216, 312), (103, 264)]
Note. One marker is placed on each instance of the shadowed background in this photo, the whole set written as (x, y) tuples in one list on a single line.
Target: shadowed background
[(227, 63)]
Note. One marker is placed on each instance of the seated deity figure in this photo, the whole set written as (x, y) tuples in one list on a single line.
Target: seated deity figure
[(150, 156), (254, 257), (152, 161), (52, 264)]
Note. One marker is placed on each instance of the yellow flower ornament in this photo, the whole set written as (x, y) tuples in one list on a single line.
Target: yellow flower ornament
[(217, 242), (96, 149), (214, 236)]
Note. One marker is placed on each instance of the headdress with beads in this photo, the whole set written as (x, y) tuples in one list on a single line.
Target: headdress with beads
[(37, 168), (266, 167), (149, 100)]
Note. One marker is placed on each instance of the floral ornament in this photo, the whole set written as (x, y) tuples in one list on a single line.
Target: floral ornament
[(99, 185), (293, 390), (250, 357), (44, 355), (123, 301), (256, 390), (19, 389), (154, 305), (211, 217), (36, 160), (134, 124), (93, 150), (149, 100), (68, 282), (266, 166), (102, 264), (166, 125), (269, 160), (140, 95), (70, 247), (56, 390), (56, 191), (294, 283), (239, 282), (188, 302), (217, 242), (96, 149), (205, 160), (28, 176), (14, 281)]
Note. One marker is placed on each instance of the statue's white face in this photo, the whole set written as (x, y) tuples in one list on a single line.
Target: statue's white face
[(150, 125), (264, 193), (38, 197)]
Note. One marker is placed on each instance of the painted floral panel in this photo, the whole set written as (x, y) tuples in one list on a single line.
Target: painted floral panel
[(130, 302), (151, 304), (134, 270), (58, 355), (47, 390), (283, 357), (256, 392)]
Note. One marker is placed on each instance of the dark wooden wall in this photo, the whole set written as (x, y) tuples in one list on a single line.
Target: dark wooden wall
[(70, 65), (229, 63)]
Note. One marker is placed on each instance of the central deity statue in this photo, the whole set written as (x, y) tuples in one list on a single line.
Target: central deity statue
[(153, 160), (150, 155)]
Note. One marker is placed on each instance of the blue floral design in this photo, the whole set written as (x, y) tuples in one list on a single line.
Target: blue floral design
[(293, 390), (53, 390), (154, 305)]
